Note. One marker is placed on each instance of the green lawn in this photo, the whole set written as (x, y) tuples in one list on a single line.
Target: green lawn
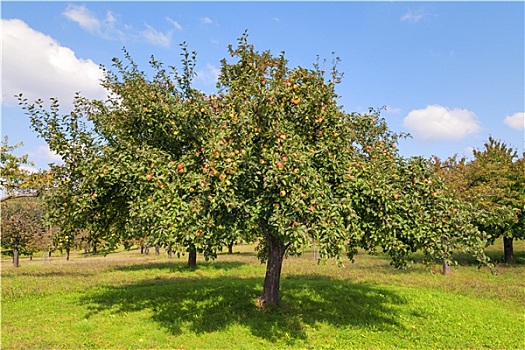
[(130, 301)]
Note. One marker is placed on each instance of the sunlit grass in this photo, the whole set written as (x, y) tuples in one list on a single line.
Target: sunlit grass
[(131, 301)]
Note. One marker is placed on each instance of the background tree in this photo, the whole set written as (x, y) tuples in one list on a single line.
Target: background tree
[(493, 184), (23, 232), (22, 227), (271, 157), (16, 180)]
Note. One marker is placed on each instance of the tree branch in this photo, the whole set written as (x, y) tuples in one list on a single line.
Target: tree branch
[(15, 196)]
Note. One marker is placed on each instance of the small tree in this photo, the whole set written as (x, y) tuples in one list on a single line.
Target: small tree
[(22, 227), (23, 232)]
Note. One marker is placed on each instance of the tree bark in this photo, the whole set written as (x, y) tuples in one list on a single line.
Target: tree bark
[(272, 280), (157, 249), (21, 195), (192, 257), (67, 254), (16, 255), (141, 249), (446, 268), (508, 248), (146, 249), (230, 248)]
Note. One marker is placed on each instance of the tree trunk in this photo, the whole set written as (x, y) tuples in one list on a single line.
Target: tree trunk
[(146, 250), (170, 253), (157, 249), (30, 257), (67, 254), (16, 255), (141, 249), (94, 248), (192, 257), (230, 248), (272, 280), (446, 268), (508, 248)]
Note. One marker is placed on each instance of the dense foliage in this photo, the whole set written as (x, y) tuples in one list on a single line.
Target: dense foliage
[(22, 213), (270, 158), (493, 183)]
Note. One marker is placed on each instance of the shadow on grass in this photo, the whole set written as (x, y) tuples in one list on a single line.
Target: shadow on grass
[(180, 266), (203, 305), (495, 257), (464, 259)]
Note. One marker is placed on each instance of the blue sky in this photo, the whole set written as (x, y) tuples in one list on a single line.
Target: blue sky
[(450, 73)]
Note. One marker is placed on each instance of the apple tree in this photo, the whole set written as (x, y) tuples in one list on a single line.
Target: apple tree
[(270, 157), (494, 185), (22, 212), (315, 174)]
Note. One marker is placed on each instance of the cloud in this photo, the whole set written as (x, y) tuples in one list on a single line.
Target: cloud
[(516, 121), (209, 75), (438, 123), (154, 37), (39, 67), (206, 20), (111, 28), (413, 16), (43, 156), (43, 152), (175, 24), (85, 18)]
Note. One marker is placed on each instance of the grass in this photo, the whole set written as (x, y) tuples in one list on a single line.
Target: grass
[(130, 301)]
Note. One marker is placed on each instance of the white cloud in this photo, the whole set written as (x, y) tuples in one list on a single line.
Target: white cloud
[(43, 155), (175, 24), (516, 121), (152, 36), (106, 28), (206, 20), (85, 18), (209, 75), (412, 16), (39, 67), (111, 28), (436, 123)]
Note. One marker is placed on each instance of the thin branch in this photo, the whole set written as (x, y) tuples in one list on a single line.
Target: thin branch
[(14, 196)]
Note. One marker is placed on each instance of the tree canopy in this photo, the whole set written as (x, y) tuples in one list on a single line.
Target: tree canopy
[(271, 157), (493, 183)]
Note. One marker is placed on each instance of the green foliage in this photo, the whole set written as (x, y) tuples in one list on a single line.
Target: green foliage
[(22, 226), (493, 185), (271, 158), (22, 212), (13, 176), (15, 180)]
